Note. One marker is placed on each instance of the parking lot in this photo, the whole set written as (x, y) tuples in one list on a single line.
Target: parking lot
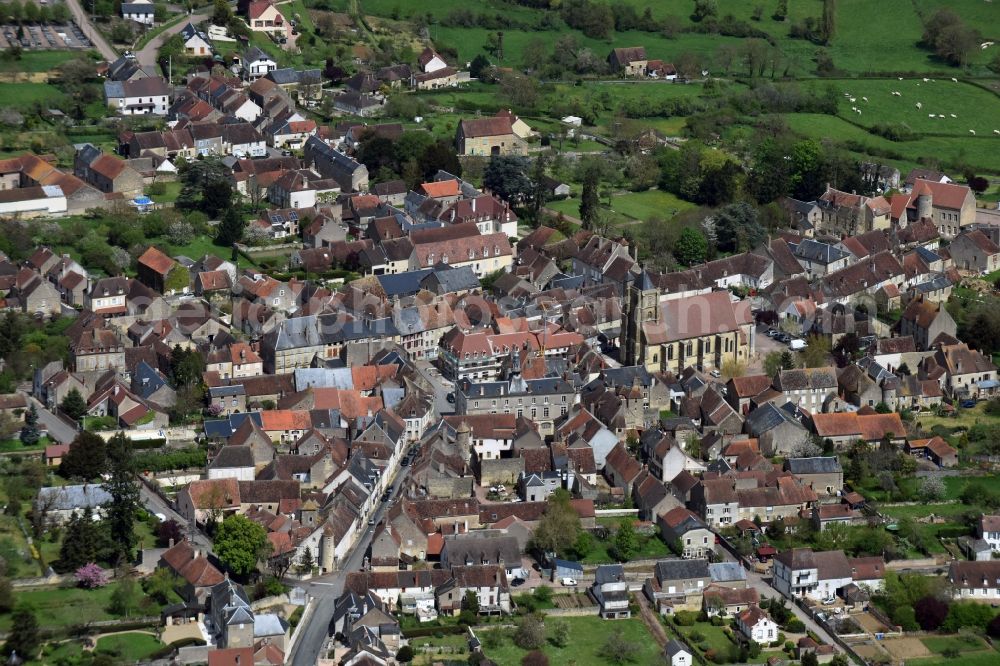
[(44, 37)]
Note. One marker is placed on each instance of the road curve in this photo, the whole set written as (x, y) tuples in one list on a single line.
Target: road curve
[(147, 54), (92, 33)]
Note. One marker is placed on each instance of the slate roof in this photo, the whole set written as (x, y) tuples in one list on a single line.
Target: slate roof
[(816, 465), (679, 569)]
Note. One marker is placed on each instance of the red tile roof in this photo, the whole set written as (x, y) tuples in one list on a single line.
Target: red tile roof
[(156, 260)]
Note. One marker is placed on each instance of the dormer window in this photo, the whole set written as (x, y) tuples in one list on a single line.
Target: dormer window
[(444, 258), (496, 250)]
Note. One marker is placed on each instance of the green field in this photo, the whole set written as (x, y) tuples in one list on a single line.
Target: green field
[(38, 61), (714, 637), (979, 151), (25, 95), (588, 635), (861, 43), (975, 109)]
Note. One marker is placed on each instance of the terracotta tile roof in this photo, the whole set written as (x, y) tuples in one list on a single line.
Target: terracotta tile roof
[(441, 188), (697, 316), (156, 260), (215, 493), (285, 419), (867, 568), (480, 127)]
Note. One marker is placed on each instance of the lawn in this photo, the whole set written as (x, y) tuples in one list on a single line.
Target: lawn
[(25, 95), (14, 445), (983, 658), (714, 637), (430, 650), (649, 204), (649, 547), (66, 606), (129, 647), (587, 637), (974, 108), (37, 61), (965, 418), (170, 194), (963, 643)]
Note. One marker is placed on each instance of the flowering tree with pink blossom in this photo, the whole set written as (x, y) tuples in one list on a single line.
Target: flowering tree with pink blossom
[(91, 576)]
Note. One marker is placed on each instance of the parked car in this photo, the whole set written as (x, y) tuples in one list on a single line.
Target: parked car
[(568, 582), (451, 397), (829, 601), (517, 582), (967, 404)]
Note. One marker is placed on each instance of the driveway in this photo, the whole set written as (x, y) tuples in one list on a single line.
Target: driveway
[(93, 34), (147, 54)]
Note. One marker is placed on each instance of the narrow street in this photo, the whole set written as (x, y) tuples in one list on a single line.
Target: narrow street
[(92, 33), (147, 54), (58, 429), (326, 589)]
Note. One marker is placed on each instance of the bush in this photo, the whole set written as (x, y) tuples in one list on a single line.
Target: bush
[(717, 621), (685, 618), (158, 187), (405, 654), (696, 636), (795, 626)]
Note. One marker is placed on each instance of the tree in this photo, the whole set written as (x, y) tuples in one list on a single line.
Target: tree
[(931, 489), (30, 434), (73, 405), (470, 602), (91, 576), (121, 485), (186, 366), (438, 156), (817, 353), (23, 638), (590, 199), (221, 14), (161, 584), (773, 363), (240, 544), (809, 659), (704, 9), (737, 228), (829, 23), (691, 247), (539, 189), (306, 562), (507, 177), (479, 64), (84, 541), (126, 597), (405, 654), (559, 527), (86, 458), (993, 628), (967, 614), (930, 613), (530, 632), (169, 531), (535, 658), (560, 633), (626, 541), (950, 38), (978, 184), (619, 650)]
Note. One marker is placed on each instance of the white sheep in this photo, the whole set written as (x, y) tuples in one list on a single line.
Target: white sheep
[(972, 132), (859, 111), (865, 98), (953, 115), (996, 131), (940, 115), (954, 79), (853, 100), (930, 115), (901, 78), (920, 105), (926, 79)]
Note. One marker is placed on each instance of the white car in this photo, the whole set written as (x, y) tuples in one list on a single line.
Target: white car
[(829, 601), (569, 582)]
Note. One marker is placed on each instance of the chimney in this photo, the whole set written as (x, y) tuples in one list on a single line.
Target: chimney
[(170, 543), (473, 205)]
